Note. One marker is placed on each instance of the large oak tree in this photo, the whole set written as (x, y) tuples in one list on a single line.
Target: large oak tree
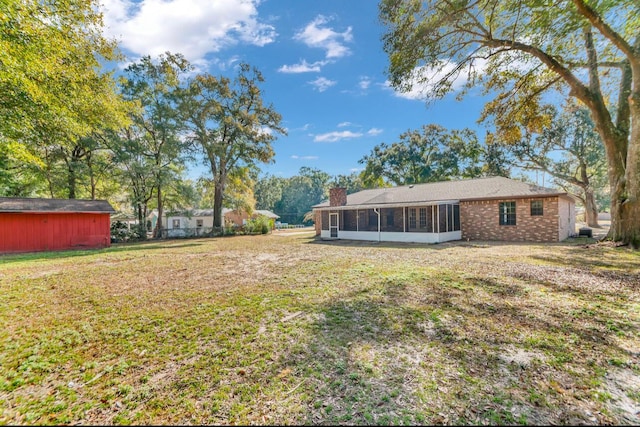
[(231, 124), (429, 154), (522, 50)]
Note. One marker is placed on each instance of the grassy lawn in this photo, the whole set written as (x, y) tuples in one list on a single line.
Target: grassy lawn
[(282, 329)]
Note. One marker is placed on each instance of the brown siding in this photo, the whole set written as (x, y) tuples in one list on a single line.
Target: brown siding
[(480, 221)]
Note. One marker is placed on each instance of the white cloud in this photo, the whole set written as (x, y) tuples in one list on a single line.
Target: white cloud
[(221, 64), (355, 169), (321, 84), (190, 27), (344, 124), (303, 67), (315, 35), (364, 82), (295, 157), (374, 131), (424, 78), (336, 136), (265, 130)]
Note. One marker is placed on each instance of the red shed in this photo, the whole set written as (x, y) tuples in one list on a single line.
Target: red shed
[(30, 225)]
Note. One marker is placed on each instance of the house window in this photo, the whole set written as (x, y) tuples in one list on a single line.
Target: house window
[(199, 223), (508, 213), (536, 208), (412, 218), (175, 223), (423, 217)]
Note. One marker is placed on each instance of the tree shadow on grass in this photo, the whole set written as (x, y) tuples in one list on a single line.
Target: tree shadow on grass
[(593, 256), (384, 357)]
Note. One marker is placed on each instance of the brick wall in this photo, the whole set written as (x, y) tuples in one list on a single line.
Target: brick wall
[(317, 222), (236, 217), (480, 220), (337, 196)]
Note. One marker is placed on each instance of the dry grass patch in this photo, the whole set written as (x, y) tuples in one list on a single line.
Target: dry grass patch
[(287, 330)]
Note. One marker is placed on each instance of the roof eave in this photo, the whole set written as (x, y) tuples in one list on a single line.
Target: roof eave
[(53, 212), (438, 202), (519, 196), (385, 205)]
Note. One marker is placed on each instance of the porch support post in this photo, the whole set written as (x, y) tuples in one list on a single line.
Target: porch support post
[(357, 220), (433, 218), (404, 220)]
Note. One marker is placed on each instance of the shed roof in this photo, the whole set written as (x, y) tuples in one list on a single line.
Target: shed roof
[(469, 189), (16, 204)]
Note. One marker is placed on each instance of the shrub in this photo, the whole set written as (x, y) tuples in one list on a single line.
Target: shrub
[(261, 224), (120, 232)]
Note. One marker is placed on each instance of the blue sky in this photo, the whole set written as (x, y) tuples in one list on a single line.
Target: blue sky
[(322, 61)]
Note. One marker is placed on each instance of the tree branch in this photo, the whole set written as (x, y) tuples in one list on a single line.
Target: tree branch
[(596, 20), (577, 87)]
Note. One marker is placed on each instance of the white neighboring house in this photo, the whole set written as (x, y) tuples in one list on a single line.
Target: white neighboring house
[(198, 222), (190, 223)]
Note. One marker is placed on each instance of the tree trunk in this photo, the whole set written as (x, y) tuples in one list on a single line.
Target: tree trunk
[(157, 233), (71, 180), (217, 204), (590, 208), (92, 177), (625, 189)]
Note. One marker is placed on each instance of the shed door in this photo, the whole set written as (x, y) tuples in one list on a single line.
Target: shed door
[(333, 224)]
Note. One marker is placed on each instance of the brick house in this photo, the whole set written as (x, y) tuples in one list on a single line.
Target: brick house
[(493, 208)]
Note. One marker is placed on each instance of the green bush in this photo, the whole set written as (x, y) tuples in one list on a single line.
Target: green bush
[(120, 232), (261, 224)]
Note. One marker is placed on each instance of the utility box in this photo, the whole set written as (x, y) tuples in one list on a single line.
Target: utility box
[(585, 231)]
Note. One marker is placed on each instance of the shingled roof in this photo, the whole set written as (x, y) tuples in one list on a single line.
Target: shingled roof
[(470, 189), (14, 204)]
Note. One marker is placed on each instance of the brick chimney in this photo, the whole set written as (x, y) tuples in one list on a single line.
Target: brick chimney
[(337, 196)]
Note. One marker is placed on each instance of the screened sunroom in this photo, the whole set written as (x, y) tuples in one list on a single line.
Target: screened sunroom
[(430, 223)]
